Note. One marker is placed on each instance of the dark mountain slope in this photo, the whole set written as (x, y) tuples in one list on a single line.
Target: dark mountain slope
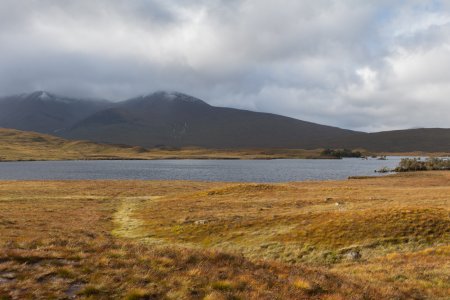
[(45, 112), (423, 139), (175, 119)]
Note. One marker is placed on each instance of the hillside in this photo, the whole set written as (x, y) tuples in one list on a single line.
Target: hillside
[(177, 120), (45, 112), (23, 145), (170, 120), (422, 139)]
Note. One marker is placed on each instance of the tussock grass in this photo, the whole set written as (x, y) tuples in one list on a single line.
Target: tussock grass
[(142, 239), (245, 188), (317, 223), (58, 244), (373, 228)]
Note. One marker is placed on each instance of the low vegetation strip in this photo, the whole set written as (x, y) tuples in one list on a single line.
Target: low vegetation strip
[(341, 153), (429, 164)]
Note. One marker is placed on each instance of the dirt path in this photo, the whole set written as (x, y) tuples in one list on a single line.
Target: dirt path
[(131, 227), (128, 226)]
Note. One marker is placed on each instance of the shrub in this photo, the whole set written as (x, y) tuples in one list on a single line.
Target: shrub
[(416, 164), (340, 153)]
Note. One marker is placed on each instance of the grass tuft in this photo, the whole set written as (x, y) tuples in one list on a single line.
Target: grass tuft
[(302, 284), (90, 290), (224, 285), (138, 294)]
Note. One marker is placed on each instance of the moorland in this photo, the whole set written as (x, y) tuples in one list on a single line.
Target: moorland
[(366, 238), (18, 145)]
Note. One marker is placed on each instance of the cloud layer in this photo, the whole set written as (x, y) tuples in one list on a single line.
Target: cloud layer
[(365, 65)]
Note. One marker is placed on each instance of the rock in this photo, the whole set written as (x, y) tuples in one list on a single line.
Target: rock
[(328, 199), (9, 276), (354, 255), (201, 222), (73, 289)]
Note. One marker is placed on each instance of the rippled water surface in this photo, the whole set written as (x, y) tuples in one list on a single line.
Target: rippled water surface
[(211, 170)]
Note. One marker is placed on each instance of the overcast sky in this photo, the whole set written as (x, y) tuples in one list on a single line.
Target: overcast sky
[(365, 65)]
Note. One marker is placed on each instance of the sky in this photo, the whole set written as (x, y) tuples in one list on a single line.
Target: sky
[(365, 65)]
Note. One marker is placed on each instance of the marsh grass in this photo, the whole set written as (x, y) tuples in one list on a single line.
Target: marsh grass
[(73, 239)]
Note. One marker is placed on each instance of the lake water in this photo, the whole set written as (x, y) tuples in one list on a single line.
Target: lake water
[(278, 170)]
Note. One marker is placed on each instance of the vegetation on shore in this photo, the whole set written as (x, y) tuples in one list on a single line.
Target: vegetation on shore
[(417, 164), (373, 238), (341, 153)]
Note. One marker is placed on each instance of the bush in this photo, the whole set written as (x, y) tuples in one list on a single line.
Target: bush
[(416, 164), (340, 153)]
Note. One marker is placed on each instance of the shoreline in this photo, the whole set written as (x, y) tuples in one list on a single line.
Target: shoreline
[(212, 157)]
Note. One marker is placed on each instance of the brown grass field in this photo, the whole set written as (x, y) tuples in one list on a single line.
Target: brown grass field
[(16, 145), (372, 238)]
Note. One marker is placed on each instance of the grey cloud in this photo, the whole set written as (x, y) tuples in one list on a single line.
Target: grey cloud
[(363, 65)]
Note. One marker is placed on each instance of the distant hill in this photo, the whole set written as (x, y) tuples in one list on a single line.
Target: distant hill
[(24, 145), (166, 119), (17, 145), (422, 139), (44, 112)]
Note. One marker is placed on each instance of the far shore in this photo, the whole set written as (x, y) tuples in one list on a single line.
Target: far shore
[(202, 154), (16, 145)]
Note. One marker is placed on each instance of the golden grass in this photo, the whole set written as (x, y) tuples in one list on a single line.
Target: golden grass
[(18, 145), (318, 223), (200, 240), (56, 242)]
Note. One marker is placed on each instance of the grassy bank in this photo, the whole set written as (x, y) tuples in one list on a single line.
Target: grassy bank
[(18, 145), (375, 238)]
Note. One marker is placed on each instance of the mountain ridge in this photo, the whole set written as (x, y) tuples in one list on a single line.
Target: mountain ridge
[(45, 112), (178, 120)]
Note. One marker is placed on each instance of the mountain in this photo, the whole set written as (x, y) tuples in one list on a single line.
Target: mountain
[(410, 140), (175, 119), (44, 112), (179, 120)]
